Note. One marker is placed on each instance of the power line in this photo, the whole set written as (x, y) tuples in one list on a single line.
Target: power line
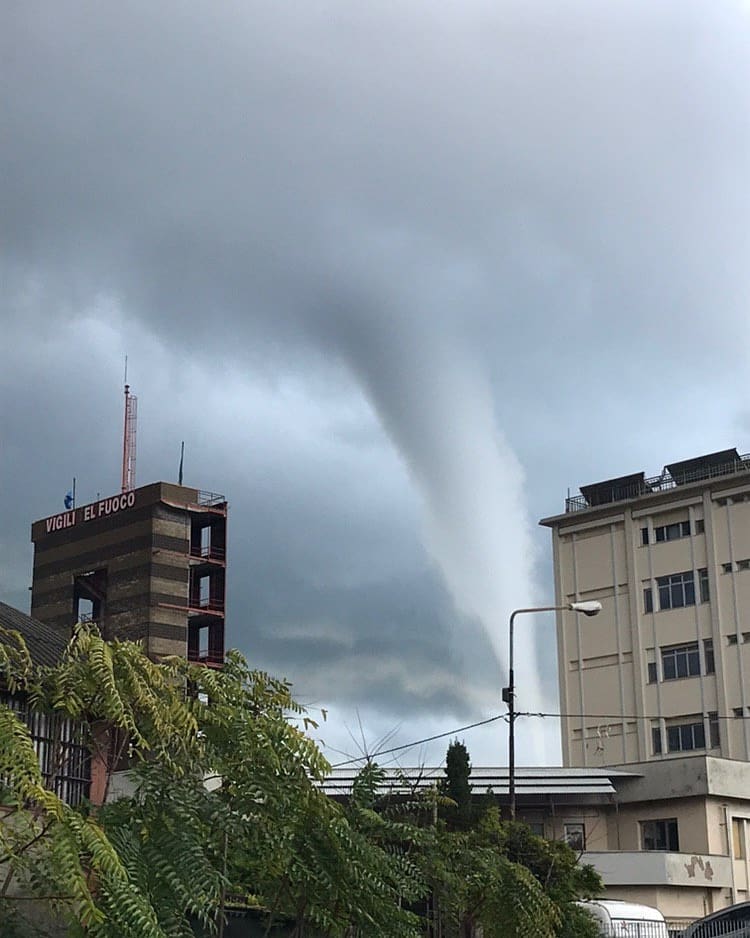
[(504, 716), (419, 742)]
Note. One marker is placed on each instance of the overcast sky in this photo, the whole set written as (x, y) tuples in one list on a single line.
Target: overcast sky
[(398, 274)]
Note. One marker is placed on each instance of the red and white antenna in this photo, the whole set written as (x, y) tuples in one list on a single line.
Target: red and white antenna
[(128, 436)]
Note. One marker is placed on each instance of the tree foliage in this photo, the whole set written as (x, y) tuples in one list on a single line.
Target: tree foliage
[(225, 805), (457, 786)]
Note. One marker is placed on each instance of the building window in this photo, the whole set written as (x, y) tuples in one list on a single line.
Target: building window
[(743, 564), (574, 836), (738, 837), (652, 675), (656, 739), (700, 526), (738, 712), (731, 639), (660, 835), (708, 655), (685, 737), (671, 532), (648, 600), (714, 734), (680, 661), (726, 567), (678, 589)]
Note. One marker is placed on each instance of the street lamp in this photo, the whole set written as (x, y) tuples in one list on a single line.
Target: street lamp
[(588, 608)]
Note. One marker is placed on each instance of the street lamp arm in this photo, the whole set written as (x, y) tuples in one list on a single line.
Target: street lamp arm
[(589, 608)]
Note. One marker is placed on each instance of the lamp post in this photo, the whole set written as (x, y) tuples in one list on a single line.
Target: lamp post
[(590, 608)]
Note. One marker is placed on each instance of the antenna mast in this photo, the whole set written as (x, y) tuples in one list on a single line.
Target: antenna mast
[(128, 436)]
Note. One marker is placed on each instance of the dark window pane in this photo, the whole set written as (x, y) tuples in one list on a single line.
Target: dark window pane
[(708, 654), (661, 534), (652, 676), (668, 665), (689, 597), (685, 529), (713, 729), (694, 662), (699, 526), (673, 738), (644, 536), (648, 601), (703, 576), (665, 601), (656, 739)]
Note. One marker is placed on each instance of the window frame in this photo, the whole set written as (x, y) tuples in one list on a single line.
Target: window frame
[(680, 661), (709, 661), (686, 737), (575, 839), (660, 835), (678, 590)]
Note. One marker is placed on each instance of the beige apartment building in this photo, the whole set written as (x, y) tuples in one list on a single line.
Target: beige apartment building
[(662, 672), (658, 683)]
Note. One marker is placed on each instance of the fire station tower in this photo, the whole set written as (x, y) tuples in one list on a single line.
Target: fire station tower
[(148, 564)]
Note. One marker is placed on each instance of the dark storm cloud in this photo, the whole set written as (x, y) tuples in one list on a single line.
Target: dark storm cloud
[(498, 235)]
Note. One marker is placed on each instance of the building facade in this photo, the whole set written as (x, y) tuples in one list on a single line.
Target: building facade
[(147, 565), (663, 671)]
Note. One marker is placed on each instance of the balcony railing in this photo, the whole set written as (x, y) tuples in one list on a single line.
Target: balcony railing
[(211, 499), (663, 483), (208, 552), (205, 604), (207, 658)]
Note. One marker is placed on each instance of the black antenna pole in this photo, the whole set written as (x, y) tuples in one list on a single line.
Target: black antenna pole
[(182, 457)]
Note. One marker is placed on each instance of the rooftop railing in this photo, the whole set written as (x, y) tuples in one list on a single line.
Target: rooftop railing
[(660, 483), (210, 499)]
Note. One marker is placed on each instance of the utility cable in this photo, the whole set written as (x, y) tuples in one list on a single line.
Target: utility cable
[(419, 742), (504, 716)]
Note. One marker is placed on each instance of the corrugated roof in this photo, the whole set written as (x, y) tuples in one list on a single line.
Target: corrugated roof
[(552, 781), (45, 644)]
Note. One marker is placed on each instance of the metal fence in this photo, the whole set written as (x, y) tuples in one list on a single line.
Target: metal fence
[(732, 922), (60, 745)]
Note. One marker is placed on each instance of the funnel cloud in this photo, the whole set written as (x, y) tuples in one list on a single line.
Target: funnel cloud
[(398, 275)]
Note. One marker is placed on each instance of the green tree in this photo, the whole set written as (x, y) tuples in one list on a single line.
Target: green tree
[(226, 798), (457, 786), (50, 852), (475, 884), (565, 880)]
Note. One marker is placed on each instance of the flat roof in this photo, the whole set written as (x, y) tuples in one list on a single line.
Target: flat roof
[(635, 485), (539, 782)]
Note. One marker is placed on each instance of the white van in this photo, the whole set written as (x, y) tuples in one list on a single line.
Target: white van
[(618, 919)]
